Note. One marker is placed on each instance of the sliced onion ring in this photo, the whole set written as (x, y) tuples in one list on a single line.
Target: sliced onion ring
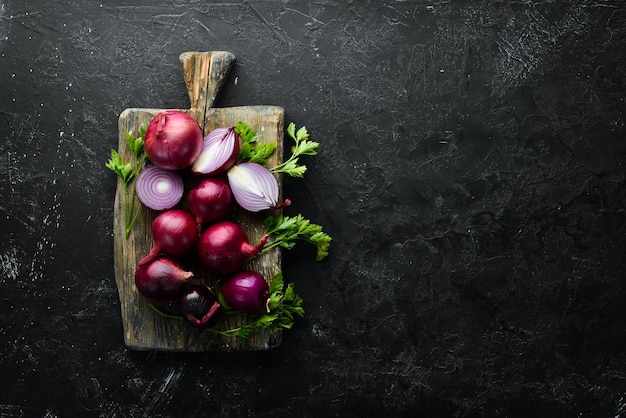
[(158, 188)]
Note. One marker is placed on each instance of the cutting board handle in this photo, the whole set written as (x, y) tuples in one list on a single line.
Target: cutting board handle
[(205, 73)]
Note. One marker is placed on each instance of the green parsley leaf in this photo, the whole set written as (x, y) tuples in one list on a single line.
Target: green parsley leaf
[(251, 150), (286, 230), (120, 167), (302, 146), (128, 173), (284, 306)]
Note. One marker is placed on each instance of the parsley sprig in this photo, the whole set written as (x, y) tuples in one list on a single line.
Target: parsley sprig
[(128, 172), (283, 307), (286, 230), (303, 146), (251, 149)]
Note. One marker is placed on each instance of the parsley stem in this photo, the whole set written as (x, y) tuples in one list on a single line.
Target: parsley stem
[(273, 244), (127, 229), (280, 167), (133, 212), (164, 314), (242, 331), (228, 333)]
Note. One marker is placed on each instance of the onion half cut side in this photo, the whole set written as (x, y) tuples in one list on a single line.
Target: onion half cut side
[(159, 189)]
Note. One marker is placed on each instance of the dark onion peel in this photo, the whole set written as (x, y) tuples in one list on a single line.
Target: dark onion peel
[(160, 279), (198, 305), (224, 248), (246, 291), (174, 233), (159, 189), (173, 140), (211, 200)]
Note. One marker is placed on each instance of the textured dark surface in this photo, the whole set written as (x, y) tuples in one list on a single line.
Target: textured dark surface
[(471, 173)]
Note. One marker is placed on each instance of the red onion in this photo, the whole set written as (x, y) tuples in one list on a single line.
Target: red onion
[(198, 305), (173, 140), (160, 279), (254, 187), (174, 233), (220, 150), (158, 188), (210, 201), (246, 291), (224, 248)]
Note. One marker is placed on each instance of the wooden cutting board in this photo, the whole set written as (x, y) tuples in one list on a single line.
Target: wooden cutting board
[(144, 329)]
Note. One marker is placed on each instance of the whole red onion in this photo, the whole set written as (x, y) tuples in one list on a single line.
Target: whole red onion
[(246, 291), (175, 234), (160, 279), (173, 140), (210, 201), (224, 248)]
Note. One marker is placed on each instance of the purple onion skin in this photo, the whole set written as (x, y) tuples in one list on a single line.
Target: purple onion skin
[(246, 291), (160, 279), (173, 140), (175, 234), (210, 201), (198, 305), (224, 248)]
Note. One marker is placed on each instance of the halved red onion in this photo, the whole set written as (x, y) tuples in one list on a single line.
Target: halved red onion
[(220, 150), (158, 188), (254, 186)]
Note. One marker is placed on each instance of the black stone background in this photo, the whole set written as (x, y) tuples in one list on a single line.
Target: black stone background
[(470, 171)]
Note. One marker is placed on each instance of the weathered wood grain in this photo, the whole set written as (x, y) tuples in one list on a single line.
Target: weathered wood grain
[(144, 329)]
